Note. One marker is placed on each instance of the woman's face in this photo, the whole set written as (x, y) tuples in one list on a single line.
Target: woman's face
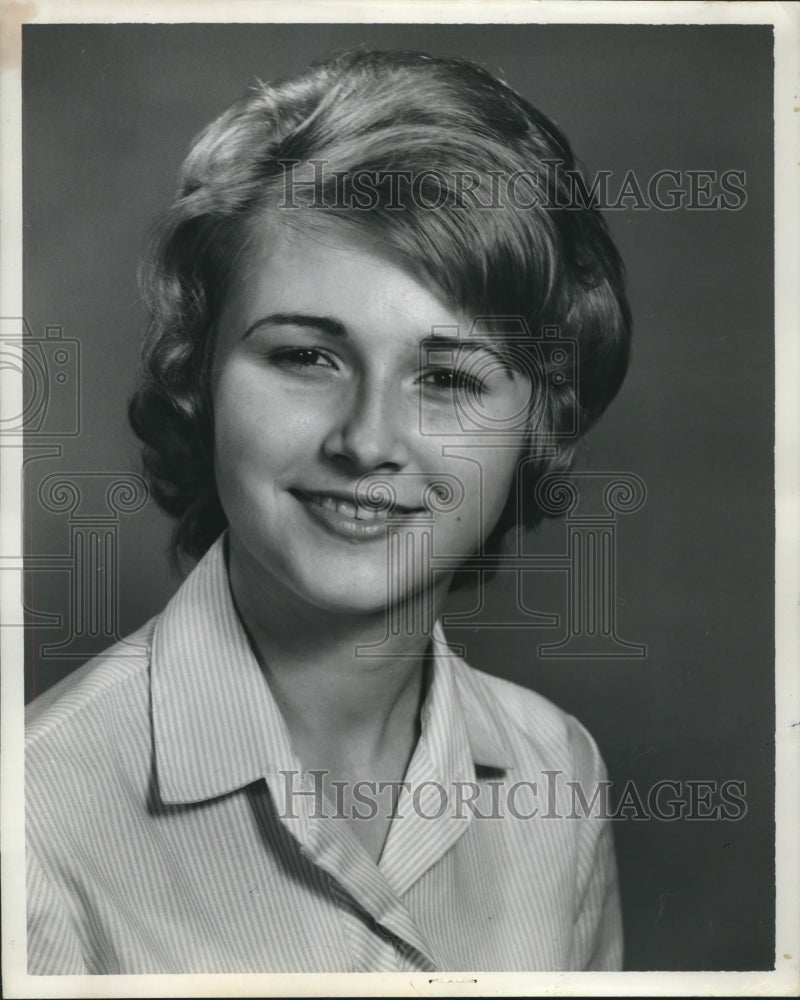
[(320, 379)]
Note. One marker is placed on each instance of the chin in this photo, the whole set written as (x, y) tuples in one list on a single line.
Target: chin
[(357, 594)]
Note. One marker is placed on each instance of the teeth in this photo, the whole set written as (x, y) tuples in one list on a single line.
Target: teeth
[(369, 513), (348, 508)]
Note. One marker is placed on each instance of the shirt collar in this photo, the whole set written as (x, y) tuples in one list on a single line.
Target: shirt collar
[(459, 701), (216, 726)]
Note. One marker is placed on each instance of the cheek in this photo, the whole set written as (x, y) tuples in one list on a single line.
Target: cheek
[(487, 480), (499, 468), (250, 445), (255, 418)]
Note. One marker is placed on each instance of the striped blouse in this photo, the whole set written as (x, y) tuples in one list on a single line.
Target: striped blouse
[(171, 829)]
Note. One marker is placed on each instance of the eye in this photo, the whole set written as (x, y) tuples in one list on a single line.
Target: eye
[(301, 358), (453, 381)]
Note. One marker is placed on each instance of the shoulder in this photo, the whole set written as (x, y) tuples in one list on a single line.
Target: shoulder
[(88, 766), (97, 710), (535, 730)]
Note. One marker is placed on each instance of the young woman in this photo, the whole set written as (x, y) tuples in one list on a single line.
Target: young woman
[(344, 394)]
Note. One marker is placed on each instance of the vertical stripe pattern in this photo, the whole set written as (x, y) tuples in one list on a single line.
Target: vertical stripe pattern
[(164, 835)]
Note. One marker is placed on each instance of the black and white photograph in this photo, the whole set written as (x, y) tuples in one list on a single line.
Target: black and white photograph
[(400, 549)]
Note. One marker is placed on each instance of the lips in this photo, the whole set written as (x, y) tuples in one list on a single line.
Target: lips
[(344, 517)]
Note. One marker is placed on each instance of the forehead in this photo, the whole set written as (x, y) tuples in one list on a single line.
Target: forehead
[(323, 267)]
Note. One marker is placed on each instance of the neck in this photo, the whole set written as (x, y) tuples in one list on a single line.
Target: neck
[(331, 695)]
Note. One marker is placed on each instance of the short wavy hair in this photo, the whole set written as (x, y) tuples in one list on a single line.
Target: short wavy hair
[(542, 258)]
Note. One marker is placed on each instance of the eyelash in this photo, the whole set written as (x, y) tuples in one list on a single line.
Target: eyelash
[(300, 358), (458, 381), (455, 380)]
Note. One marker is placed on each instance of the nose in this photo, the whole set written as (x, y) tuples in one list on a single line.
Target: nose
[(370, 432)]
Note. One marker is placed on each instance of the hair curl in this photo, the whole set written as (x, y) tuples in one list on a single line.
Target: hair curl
[(548, 263)]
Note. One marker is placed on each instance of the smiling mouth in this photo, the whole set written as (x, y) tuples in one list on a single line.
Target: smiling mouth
[(348, 519)]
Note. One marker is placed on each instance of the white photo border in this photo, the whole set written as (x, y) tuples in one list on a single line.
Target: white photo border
[(784, 980)]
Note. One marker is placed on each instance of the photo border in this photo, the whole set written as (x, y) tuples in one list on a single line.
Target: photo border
[(785, 978)]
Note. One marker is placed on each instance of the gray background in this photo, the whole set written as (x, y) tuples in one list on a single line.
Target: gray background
[(108, 114)]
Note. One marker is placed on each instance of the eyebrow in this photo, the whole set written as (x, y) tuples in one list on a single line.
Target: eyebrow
[(494, 347), (326, 324)]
